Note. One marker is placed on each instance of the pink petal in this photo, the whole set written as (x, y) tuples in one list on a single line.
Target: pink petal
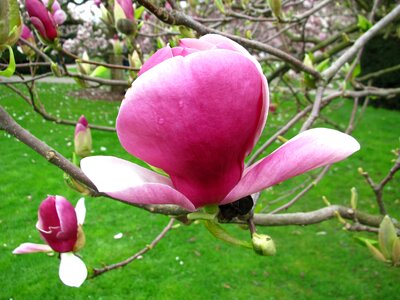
[(311, 149), (59, 16), (31, 248), (57, 223), (68, 220), (222, 42), (198, 44), (131, 183), (175, 118), (158, 57)]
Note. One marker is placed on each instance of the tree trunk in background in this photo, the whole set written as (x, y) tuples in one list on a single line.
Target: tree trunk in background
[(117, 74)]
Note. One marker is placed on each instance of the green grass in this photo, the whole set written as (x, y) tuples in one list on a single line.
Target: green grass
[(313, 262)]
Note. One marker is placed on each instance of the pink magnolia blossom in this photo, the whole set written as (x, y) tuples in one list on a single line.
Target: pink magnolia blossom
[(59, 225), (196, 111), (42, 19)]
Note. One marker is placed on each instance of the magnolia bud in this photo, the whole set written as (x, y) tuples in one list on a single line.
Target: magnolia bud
[(42, 19), (263, 244), (58, 223), (276, 7), (124, 17), (82, 138), (387, 237), (26, 34), (126, 26)]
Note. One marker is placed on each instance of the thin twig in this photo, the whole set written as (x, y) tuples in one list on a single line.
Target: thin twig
[(361, 41), (97, 272)]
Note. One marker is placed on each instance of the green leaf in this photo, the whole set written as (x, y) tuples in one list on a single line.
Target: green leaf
[(357, 71), (323, 65), (363, 23), (387, 236), (186, 32), (220, 233), (9, 71), (375, 252), (220, 6), (138, 12), (101, 72), (363, 241)]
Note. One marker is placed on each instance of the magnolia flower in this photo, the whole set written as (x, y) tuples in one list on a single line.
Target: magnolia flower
[(82, 138), (42, 19), (60, 226), (196, 111)]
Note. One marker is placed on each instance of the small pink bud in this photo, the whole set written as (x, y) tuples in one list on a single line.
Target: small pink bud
[(58, 224), (82, 138)]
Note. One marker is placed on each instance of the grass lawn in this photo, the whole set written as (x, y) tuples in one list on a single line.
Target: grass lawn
[(313, 262)]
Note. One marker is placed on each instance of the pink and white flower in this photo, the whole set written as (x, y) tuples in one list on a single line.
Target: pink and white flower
[(60, 225), (196, 111)]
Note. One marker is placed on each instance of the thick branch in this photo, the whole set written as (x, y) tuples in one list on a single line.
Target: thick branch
[(318, 216)]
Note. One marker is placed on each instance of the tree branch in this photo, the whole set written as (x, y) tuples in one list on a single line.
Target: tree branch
[(361, 41)]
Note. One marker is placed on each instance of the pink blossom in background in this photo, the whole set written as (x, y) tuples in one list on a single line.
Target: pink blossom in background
[(42, 19), (196, 111)]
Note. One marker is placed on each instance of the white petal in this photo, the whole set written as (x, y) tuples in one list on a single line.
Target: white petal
[(72, 271), (80, 210)]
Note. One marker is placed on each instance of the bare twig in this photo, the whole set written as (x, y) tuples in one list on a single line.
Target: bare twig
[(179, 18), (303, 192), (378, 187), (315, 110), (97, 272), (361, 41)]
